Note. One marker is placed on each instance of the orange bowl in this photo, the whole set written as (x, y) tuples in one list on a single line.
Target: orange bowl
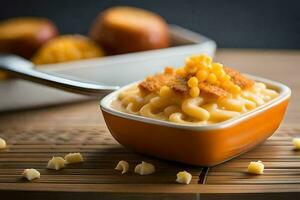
[(204, 145)]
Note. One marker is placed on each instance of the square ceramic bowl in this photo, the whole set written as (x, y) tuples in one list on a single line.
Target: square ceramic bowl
[(203, 145)]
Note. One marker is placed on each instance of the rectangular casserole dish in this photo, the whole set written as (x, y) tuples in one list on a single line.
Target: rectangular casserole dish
[(18, 94), (205, 145)]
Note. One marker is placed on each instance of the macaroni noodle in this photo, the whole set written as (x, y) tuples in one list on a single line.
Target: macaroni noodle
[(122, 166), (31, 174), (183, 177), (200, 93)]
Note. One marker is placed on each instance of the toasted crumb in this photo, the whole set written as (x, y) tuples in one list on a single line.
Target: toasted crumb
[(256, 167), (184, 177), (238, 78), (31, 174), (144, 168), (73, 158), (154, 83), (56, 163), (179, 84), (169, 70), (122, 166), (296, 142), (2, 143), (212, 90)]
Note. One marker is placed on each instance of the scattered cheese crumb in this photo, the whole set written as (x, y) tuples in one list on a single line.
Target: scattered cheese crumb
[(184, 177), (2, 143), (122, 166), (144, 168), (31, 174), (296, 142), (64, 137), (56, 163), (73, 158), (256, 167)]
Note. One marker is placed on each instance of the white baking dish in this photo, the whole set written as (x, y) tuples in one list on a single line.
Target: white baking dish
[(116, 70)]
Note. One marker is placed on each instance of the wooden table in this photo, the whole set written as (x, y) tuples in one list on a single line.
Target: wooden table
[(34, 136)]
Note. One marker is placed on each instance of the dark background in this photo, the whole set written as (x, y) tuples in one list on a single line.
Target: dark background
[(232, 23)]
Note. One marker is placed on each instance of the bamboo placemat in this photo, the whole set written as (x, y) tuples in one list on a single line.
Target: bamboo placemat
[(34, 136)]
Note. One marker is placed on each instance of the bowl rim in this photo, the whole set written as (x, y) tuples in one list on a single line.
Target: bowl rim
[(284, 93)]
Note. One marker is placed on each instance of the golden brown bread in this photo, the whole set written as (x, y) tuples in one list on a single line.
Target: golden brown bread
[(24, 35), (128, 29), (67, 48)]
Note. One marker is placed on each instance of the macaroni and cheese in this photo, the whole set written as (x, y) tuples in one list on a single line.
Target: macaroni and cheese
[(201, 92)]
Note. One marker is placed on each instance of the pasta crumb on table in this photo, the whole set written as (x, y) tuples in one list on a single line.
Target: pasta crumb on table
[(256, 167), (184, 177), (56, 163), (31, 174), (2, 143), (296, 142), (144, 168), (73, 158), (122, 166)]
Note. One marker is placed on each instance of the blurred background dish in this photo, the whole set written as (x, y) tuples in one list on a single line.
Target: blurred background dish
[(107, 28), (116, 30), (117, 70)]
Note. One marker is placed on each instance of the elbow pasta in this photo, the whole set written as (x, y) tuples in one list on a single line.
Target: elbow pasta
[(183, 177), (2, 143), (73, 158), (31, 174), (195, 107), (256, 167), (144, 168), (122, 166), (195, 110), (296, 142), (56, 163)]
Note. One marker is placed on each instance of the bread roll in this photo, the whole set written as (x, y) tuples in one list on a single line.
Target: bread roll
[(24, 35), (127, 29), (67, 48)]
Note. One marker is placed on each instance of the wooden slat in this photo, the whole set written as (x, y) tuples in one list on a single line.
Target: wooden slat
[(29, 149), (34, 136)]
